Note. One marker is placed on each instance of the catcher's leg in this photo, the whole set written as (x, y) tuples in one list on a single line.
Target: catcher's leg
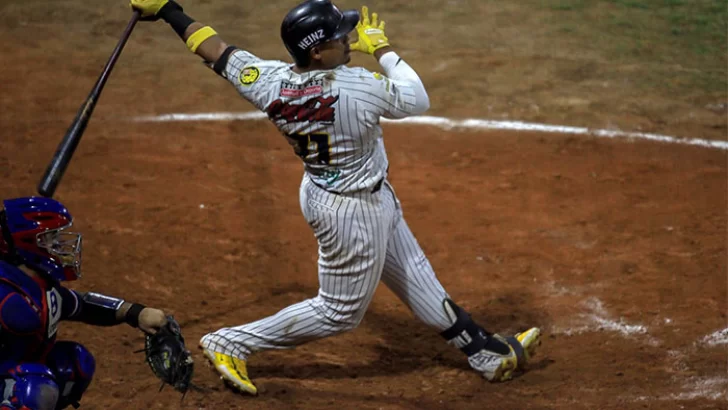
[(28, 387), (352, 232), (73, 366), (408, 273)]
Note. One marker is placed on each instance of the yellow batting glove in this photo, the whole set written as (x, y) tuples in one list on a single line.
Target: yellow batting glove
[(371, 33), (148, 8)]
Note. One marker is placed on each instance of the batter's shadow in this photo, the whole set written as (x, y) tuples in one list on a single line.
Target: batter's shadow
[(409, 346)]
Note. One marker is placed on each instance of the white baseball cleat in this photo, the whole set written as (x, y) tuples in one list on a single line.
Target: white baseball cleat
[(495, 367)]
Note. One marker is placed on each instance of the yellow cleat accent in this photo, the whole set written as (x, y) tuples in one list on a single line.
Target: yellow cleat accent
[(232, 371), (530, 340), (506, 368)]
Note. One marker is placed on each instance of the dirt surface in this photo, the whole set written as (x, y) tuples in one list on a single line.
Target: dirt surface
[(617, 249)]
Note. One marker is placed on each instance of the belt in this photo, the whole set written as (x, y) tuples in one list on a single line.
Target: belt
[(378, 186), (375, 189)]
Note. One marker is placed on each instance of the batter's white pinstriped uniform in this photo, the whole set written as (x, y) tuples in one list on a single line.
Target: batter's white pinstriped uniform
[(331, 118)]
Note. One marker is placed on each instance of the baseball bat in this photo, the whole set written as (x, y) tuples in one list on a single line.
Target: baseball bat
[(64, 152)]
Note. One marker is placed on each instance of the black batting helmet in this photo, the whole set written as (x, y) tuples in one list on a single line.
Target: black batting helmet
[(314, 22)]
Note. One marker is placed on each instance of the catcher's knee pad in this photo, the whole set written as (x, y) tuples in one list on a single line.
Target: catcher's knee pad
[(73, 366), (29, 387), (467, 335)]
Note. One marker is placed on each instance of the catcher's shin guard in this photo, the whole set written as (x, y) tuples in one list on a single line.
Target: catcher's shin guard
[(73, 367), (232, 370), (29, 386)]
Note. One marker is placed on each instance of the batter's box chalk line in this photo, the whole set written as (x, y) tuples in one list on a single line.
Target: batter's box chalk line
[(687, 388), (719, 337), (451, 124), (598, 319), (711, 388)]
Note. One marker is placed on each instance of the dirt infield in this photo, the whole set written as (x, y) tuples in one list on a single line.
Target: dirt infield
[(617, 249)]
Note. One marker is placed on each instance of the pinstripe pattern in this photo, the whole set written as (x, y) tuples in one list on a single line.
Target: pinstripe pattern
[(362, 236), (356, 148)]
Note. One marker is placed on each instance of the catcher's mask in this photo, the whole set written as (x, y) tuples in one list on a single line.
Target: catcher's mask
[(314, 22), (34, 235)]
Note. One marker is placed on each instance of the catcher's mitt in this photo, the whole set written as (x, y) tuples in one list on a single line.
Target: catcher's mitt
[(168, 357)]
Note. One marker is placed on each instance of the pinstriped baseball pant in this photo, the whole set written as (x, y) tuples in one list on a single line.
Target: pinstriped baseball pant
[(362, 239)]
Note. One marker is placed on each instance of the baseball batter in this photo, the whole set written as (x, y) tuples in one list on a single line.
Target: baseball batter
[(330, 114)]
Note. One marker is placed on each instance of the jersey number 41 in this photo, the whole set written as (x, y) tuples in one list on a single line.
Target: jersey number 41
[(312, 148)]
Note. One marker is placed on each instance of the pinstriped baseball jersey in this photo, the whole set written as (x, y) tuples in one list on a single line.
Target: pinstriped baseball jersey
[(330, 118)]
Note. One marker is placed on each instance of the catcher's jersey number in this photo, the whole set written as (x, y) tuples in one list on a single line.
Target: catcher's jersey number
[(54, 301), (311, 147)]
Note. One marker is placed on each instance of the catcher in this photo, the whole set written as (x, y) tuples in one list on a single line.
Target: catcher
[(36, 371)]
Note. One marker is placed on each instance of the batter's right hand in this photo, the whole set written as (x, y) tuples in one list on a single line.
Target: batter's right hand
[(148, 8), (371, 33)]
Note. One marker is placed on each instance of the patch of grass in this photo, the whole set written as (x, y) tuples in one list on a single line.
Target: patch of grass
[(687, 35), (567, 5), (636, 4)]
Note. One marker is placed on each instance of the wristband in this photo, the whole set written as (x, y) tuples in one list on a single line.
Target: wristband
[(174, 15), (221, 62), (132, 315), (199, 37)]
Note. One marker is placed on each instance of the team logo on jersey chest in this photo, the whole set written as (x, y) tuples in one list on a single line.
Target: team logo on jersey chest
[(319, 109), (302, 90), (249, 75)]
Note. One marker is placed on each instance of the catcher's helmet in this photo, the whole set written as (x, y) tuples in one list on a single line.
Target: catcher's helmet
[(33, 234), (314, 22)]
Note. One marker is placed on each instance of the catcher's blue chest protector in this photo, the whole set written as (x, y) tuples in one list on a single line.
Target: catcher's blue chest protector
[(36, 372), (29, 314)]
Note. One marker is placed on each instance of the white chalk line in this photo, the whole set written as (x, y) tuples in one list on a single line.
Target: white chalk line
[(711, 388), (598, 319), (719, 337), (451, 124)]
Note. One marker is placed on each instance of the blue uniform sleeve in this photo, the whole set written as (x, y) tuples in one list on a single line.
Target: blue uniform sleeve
[(71, 303)]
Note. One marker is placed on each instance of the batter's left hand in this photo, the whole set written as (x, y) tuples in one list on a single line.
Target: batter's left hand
[(151, 320), (148, 8), (371, 33)]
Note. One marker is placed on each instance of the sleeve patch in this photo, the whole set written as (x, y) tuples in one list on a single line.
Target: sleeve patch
[(249, 75)]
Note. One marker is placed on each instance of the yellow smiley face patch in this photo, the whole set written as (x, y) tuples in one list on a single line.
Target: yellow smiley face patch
[(249, 75)]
